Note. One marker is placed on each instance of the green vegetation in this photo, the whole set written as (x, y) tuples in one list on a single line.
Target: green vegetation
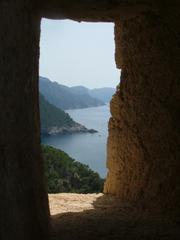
[(52, 116), (64, 174)]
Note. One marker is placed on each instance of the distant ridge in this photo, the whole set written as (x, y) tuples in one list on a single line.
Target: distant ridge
[(104, 94), (65, 97)]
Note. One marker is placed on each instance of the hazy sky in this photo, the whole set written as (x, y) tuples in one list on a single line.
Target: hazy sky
[(73, 53)]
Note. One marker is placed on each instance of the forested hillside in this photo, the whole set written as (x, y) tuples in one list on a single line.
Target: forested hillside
[(64, 174), (55, 120)]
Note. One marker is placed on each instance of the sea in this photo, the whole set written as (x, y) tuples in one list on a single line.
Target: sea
[(87, 148)]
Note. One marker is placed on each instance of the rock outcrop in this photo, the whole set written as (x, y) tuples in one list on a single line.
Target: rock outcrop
[(78, 128)]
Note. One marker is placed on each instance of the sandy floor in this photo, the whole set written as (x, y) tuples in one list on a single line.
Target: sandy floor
[(69, 202), (98, 216)]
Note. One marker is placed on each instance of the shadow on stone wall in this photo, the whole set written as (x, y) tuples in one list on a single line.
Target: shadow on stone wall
[(111, 219)]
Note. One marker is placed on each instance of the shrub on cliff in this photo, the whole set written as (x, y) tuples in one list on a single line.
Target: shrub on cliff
[(64, 174)]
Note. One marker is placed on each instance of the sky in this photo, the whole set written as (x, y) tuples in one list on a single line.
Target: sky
[(73, 53)]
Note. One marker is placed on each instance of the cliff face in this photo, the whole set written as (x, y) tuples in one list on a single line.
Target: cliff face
[(144, 134)]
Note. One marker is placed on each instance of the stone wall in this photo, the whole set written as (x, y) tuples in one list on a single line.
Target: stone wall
[(24, 213), (144, 132), (92, 10)]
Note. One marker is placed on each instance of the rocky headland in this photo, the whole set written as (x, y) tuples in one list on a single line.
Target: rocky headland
[(77, 128)]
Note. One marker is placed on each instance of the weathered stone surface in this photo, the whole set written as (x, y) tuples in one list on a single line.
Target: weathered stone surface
[(144, 133), (102, 216), (24, 213), (92, 10)]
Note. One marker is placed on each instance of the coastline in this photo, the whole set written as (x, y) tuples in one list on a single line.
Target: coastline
[(78, 128)]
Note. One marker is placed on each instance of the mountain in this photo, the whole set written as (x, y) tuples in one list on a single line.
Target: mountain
[(103, 94), (80, 90), (56, 121), (65, 97), (64, 174)]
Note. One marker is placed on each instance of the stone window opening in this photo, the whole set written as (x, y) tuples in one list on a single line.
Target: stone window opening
[(143, 141), (85, 52)]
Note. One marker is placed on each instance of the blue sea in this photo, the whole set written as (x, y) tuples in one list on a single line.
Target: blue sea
[(87, 148)]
